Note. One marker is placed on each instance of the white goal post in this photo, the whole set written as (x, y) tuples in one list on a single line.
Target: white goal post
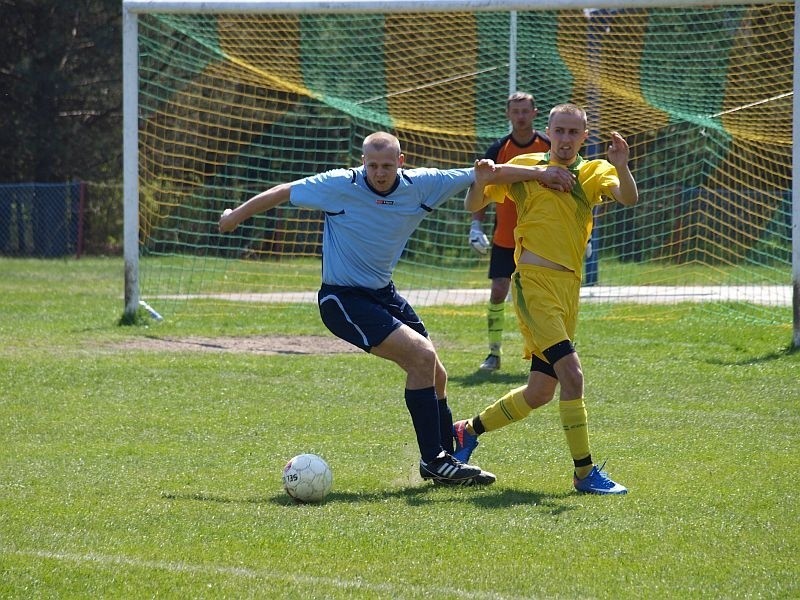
[(133, 8)]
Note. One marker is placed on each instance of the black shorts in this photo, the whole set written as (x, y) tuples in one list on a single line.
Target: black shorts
[(365, 317), (501, 262)]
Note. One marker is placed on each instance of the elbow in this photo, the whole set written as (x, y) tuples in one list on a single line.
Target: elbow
[(474, 200), (475, 204), (628, 195)]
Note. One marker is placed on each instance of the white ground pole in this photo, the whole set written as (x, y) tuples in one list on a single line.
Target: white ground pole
[(796, 185), (130, 158), (130, 108), (512, 55)]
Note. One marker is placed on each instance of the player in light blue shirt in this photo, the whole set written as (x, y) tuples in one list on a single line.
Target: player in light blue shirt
[(370, 212), (366, 228)]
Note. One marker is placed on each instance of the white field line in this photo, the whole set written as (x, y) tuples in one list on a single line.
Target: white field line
[(772, 295), (390, 590)]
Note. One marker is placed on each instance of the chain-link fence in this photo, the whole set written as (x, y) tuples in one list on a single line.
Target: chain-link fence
[(46, 220), (40, 219)]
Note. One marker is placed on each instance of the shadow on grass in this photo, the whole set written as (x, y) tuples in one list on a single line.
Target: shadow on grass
[(481, 377), (413, 495), (778, 354)]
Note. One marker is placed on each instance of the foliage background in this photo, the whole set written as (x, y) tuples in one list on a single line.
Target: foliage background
[(61, 91)]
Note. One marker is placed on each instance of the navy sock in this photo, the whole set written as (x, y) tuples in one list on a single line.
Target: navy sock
[(423, 407), (446, 426)]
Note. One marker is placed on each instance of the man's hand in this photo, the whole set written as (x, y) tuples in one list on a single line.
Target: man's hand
[(226, 223), (557, 178), (478, 239), (618, 155), (484, 171), (618, 150)]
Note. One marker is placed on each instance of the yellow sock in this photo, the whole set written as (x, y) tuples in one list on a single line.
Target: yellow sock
[(574, 420), (510, 408)]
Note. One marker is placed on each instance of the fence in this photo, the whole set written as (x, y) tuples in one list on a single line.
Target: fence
[(41, 219)]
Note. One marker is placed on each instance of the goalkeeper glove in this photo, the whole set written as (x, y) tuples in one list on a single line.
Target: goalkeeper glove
[(478, 239)]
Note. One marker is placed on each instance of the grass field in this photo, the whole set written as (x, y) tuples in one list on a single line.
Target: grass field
[(135, 473)]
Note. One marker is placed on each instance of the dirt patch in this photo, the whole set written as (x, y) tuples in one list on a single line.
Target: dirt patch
[(308, 344)]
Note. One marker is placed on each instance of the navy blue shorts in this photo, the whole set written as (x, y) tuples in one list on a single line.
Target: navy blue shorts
[(365, 317), (501, 262)]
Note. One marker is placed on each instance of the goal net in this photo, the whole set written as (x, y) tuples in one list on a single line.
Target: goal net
[(231, 104)]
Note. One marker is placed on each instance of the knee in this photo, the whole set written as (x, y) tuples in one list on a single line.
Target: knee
[(441, 373), (499, 290), (423, 358), (567, 367), (536, 397), (571, 381)]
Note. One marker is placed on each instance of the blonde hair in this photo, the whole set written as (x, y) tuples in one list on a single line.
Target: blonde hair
[(567, 109), (380, 140)]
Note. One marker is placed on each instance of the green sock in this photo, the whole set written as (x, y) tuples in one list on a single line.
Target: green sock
[(496, 320)]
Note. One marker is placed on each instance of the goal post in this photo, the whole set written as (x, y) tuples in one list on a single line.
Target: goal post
[(130, 160), (398, 6), (223, 99), (796, 187)]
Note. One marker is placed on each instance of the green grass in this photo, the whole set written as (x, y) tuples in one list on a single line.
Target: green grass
[(135, 473)]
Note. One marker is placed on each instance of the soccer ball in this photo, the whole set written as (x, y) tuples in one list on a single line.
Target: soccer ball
[(307, 478)]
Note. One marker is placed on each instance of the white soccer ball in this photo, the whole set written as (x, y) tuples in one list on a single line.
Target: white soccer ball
[(307, 478)]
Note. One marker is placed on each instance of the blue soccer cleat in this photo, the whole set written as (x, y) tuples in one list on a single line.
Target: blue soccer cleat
[(465, 441), (598, 482)]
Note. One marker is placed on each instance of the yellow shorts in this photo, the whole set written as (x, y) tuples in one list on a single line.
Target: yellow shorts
[(546, 302)]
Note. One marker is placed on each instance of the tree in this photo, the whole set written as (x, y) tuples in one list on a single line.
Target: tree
[(60, 90)]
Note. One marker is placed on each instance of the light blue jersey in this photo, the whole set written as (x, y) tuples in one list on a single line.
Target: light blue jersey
[(365, 231)]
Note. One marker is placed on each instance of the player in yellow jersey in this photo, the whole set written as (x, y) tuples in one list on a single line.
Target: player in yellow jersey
[(552, 230)]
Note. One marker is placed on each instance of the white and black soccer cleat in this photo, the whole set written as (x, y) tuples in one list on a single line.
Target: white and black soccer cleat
[(482, 478), (447, 468)]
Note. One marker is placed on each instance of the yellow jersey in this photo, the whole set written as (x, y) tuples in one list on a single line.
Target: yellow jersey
[(557, 225)]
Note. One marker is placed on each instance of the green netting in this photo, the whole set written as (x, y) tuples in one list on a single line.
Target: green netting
[(232, 104)]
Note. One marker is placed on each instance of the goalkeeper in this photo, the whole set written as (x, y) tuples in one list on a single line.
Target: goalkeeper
[(552, 230), (369, 214), (524, 139)]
